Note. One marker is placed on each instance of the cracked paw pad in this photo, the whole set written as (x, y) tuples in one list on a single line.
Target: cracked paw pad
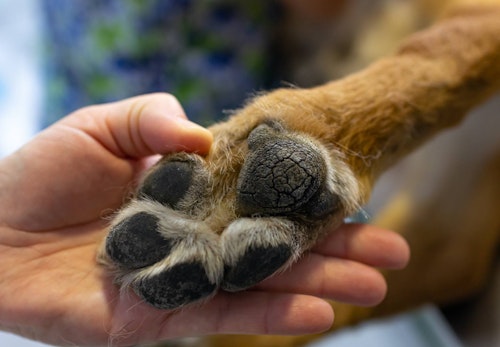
[(280, 174)]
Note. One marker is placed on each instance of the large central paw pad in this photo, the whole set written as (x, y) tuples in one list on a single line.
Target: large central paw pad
[(280, 174), (186, 233)]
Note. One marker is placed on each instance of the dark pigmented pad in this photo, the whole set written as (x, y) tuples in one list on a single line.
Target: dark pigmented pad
[(255, 265), (280, 174), (177, 286), (135, 242), (168, 183)]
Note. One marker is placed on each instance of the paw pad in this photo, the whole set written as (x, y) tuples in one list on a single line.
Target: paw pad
[(175, 287), (280, 174), (168, 183), (255, 265), (135, 243)]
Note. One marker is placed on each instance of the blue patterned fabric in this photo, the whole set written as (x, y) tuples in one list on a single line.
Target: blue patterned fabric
[(210, 54)]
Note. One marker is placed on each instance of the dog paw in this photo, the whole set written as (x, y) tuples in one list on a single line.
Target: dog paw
[(249, 209), (158, 245)]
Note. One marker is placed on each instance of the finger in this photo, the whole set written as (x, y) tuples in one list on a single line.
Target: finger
[(227, 313), (330, 278), (144, 125), (366, 244), (253, 313)]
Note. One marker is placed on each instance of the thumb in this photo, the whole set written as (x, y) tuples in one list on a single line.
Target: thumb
[(145, 125)]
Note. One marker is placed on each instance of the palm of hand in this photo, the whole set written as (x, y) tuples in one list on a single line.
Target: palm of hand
[(53, 230)]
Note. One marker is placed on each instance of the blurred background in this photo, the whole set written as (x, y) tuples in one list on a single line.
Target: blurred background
[(20, 73), (58, 56)]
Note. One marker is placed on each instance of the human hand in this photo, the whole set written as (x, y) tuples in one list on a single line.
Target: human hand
[(54, 193)]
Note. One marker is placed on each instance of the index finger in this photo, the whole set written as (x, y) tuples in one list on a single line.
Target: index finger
[(367, 244)]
